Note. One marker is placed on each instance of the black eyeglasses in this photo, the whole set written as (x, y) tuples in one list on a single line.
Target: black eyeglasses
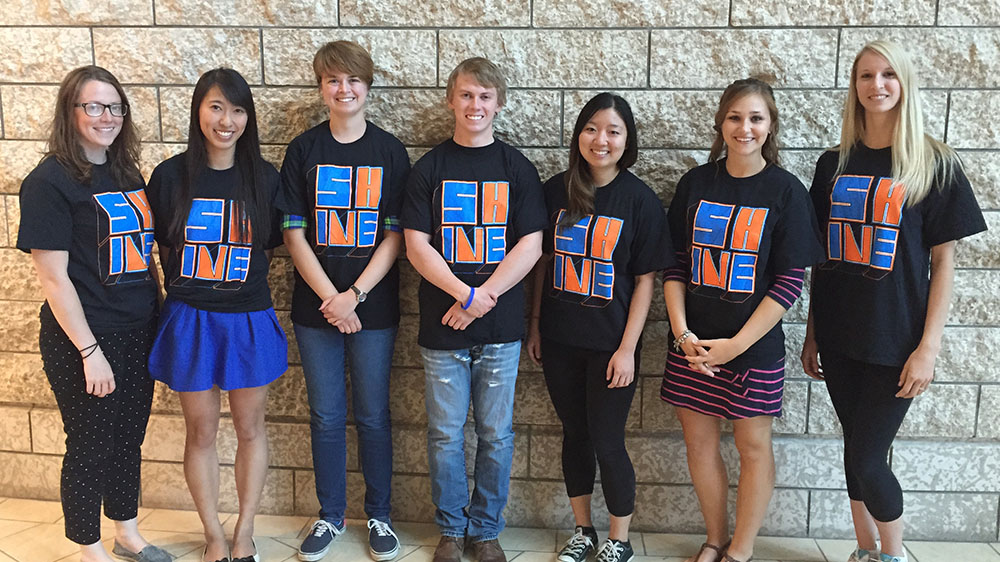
[(95, 109)]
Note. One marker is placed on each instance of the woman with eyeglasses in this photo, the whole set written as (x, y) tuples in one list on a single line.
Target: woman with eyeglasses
[(87, 224)]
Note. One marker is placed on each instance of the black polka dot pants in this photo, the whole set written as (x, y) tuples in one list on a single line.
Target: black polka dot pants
[(103, 435)]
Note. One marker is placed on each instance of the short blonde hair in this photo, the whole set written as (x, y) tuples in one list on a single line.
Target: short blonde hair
[(344, 56), (483, 71)]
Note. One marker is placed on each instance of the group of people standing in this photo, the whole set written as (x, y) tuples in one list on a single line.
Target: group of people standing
[(878, 227)]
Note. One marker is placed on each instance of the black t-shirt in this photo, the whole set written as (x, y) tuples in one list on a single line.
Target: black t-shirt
[(216, 269), (476, 203), (739, 233), (869, 298), (590, 280), (352, 191), (107, 230)]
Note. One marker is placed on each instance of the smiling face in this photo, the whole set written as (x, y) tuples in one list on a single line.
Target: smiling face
[(222, 124), (876, 83), (343, 94), (746, 126), (602, 143), (474, 106), (96, 134)]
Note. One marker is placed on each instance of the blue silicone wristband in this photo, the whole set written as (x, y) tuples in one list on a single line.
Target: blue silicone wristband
[(468, 303)]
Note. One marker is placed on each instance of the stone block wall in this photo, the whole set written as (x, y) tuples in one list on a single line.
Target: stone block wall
[(670, 58)]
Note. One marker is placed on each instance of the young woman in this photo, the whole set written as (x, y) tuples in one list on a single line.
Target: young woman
[(892, 202), (748, 233), (342, 187), (218, 330), (606, 240), (86, 222)]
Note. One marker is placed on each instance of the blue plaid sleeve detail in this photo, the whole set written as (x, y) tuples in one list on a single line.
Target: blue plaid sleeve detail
[(289, 222)]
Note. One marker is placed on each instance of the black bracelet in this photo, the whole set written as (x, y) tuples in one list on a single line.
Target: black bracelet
[(91, 348)]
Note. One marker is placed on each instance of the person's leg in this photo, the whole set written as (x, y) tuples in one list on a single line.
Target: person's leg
[(201, 464), (753, 441), (494, 373), (564, 373), (708, 474), (370, 358), (447, 386), (607, 411), (248, 406), (322, 352)]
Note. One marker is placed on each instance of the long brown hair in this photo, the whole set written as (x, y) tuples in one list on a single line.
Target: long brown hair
[(64, 138), (735, 91), (580, 188)]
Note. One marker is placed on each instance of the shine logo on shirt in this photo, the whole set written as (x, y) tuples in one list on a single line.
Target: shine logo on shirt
[(347, 202), (474, 224), (125, 241), (725, 242), (582, 266), (863, 230), (214, 254)]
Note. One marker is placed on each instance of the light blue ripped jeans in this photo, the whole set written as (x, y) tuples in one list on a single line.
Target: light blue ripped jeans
[(484, 375)]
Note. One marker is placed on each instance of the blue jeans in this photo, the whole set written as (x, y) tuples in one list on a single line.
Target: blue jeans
[(369, 353), (484, 374)]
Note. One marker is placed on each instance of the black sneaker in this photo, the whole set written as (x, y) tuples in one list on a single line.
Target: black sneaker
[(383, 544), (317, 542), (579, 546), (616, 551)]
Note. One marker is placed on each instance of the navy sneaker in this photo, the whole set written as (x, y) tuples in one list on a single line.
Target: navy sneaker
[(317, 542), (616, 551), (582, 543), (383, 544)]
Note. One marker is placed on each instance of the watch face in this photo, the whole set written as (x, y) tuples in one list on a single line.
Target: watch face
[(362, 296)]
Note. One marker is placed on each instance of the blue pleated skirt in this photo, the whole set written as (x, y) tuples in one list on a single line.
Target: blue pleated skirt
[(197, 349)]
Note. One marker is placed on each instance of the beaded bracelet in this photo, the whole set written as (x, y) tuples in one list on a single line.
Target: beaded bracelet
[(681, 339)]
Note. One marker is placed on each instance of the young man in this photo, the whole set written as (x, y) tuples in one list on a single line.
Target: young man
[(342, 185), (473, 217)]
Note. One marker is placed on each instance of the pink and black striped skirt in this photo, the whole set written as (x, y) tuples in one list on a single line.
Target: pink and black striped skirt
[(729, 394)]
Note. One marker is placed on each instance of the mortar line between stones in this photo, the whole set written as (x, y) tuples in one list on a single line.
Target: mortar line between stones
[(836, 58), (152, 5), (260, 42), (947, 116), (93, 54)]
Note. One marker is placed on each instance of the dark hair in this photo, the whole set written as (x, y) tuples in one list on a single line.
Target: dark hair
[(64, 138), (738, 90), (580, 188), (247, 160)]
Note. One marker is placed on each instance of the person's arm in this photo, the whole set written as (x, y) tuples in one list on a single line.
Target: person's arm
[(515, 265), (918, 371), (312, 273), (720, 351), (432, 267), (534, 342), (673, 295), (810, 350), (621, 367), (342, 305), (52, 269)]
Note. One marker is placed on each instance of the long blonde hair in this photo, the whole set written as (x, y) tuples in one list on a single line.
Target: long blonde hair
[(918, 161)]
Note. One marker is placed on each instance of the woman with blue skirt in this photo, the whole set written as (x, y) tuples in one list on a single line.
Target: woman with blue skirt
[(215, 229)]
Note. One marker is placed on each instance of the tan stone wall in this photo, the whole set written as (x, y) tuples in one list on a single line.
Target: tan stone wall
[(670, 58)]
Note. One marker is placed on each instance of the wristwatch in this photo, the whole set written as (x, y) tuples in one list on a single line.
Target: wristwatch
[(361, 295)]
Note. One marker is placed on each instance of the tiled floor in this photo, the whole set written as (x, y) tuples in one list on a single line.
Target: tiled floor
[(32, 531)]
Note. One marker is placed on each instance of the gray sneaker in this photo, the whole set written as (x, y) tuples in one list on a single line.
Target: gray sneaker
[(149, 554)]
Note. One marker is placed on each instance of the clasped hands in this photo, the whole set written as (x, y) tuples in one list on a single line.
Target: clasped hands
[(481, 300)]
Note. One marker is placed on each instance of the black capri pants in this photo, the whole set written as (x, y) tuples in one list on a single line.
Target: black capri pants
[(593, 418), (103, 435), (863, 395)]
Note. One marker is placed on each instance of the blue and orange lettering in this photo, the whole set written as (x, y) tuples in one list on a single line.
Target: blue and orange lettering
[(710, 275), (239, 263), (458, 202), (333, 186), (696, 255), (572, 239), (116, 259), (122, 217), (604, 280), (558, 266), (578, 281), (204, 224), (469, 251), (369, 188), (448, 243), (141, 203), (211, 269), (743, 272), (854, 251), (235, 214), (147, 246), (496, 244), (322, 228), (367, 228), (889, 199), (188, 258), (606, 233), (341, 233), (849, 198), (711, 221), (834, 243), (495, 198), (884, 248), (748, 228)]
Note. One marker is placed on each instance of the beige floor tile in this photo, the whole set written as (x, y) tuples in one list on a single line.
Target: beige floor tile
[(421, 534), (40, 543), (31, 510), (671, 544), (536, 540), (285, 526), (176, 520), (836, 549), (933, 551), (8, 527), (784, 548), (5, 558)]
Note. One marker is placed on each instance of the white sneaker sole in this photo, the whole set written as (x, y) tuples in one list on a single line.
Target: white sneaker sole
[(383, 556)]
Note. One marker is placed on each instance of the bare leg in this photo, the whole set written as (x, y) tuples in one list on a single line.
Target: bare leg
[(94, 553), (247, 406), (201, 464), (864, 526), (127, 535), (708, 474), (891, 533), (753, 440), (619, 527), (581, 510)]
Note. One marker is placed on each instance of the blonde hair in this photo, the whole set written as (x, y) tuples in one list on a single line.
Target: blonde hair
[(918, 161), (485, 72), (344, 56)]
